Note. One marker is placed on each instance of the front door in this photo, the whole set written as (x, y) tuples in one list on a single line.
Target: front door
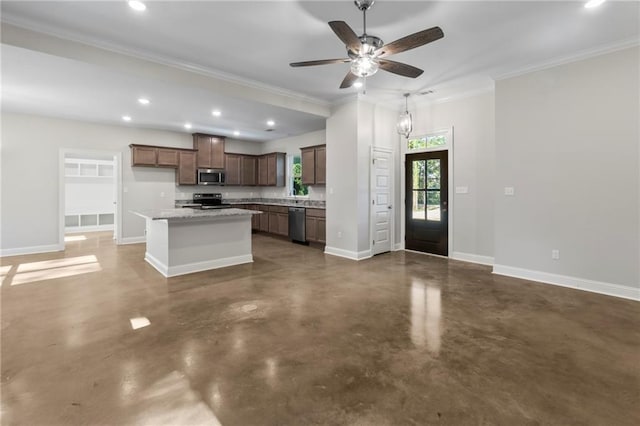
[(426, 203)]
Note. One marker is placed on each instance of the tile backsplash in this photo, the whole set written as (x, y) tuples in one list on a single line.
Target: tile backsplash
[(235, 192)]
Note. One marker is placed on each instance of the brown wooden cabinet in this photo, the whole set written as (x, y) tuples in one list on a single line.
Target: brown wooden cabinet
[(274, 219), (186, 171), (144, 155), (279, 220), (271, 169), (314, 165), (255, 219), (321, 165), (233, 169), (316, 225), (263, 177), (167, 157), (183, 160), (210, 151), (264, 219), (240, 169), (249, 167)]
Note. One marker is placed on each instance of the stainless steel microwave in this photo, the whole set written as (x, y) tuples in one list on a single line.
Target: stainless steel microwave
[(210, 177)]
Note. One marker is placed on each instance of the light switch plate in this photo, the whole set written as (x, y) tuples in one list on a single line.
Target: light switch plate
[(509, 190), (462, 189)]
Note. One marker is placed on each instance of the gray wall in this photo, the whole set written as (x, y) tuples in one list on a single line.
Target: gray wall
[(567, 141), (472, 120)]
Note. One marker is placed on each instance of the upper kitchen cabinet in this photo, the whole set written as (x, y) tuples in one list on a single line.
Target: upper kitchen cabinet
[(210, 151), (167, 157), (233, 169), (249, 170), (144, 155), (271, 169), (186, 171), (183, 160), (240, 169), (314, 165)]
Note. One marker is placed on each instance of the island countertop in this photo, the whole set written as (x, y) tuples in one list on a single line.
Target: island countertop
[(190, 214)]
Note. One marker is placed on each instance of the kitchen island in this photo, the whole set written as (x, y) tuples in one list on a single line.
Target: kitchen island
[(182, 241)]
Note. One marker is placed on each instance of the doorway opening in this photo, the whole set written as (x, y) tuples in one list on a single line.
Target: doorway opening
[(89, 194), (428, 180), (427, 216)]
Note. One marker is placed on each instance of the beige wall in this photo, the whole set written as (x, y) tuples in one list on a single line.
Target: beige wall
[(567, 140)]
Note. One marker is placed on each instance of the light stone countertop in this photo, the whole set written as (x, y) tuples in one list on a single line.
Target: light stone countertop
[(191, 214)]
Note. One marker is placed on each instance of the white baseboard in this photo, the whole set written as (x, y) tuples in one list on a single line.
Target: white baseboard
[(132, 240), (96, 228), (347, 254), (473, 258), (570, 282), (174, 271), (399, 246), (31, 250)]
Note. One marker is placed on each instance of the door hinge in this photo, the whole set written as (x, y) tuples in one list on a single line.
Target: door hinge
[(374, 161), (373, 242), (373, 201)]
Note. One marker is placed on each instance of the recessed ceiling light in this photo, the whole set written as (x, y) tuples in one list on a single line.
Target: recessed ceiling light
[(271, 123), (236, 133), (357, 84), (143, 101), (137, 5), (216, 113), (187, 125), (126, 118), (593, 3)]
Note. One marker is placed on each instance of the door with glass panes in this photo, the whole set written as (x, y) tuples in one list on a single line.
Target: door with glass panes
[(427, 220)]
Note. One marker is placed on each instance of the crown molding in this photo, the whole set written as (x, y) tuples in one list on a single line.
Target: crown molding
[(162, 60), (582, 55)]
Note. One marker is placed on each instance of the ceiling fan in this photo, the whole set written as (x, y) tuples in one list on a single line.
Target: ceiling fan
[(367, 53)]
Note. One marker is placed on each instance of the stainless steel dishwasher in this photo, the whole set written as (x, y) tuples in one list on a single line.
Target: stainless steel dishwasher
[(297, 224)]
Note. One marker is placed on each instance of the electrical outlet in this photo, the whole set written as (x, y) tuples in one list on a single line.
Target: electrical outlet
[(509, 190), (162, 194), (339, 234), (555, 254)]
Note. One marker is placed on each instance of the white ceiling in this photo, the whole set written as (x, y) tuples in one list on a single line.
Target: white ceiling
[(254, 41)]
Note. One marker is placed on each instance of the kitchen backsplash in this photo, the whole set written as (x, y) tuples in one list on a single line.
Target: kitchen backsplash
[(239, 192)]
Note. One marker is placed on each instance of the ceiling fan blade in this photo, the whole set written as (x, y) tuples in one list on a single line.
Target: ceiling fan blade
[(400, 68), (320, 62), (410, 42), (348, 81), (346, 34)]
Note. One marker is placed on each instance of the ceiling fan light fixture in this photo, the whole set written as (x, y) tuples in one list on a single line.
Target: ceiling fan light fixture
[(364, 66), (593, 3), (137, 5), (405, 121)]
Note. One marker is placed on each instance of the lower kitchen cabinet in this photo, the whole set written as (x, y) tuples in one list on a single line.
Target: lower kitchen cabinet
[(316, 227), (279, 220), (264, 220)]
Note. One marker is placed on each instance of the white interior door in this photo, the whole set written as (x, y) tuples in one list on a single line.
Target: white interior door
[(381, 199)]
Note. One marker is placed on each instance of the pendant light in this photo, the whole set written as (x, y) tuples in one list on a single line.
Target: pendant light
[(405, 123)]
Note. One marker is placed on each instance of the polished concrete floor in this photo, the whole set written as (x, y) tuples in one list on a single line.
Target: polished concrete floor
[(301, 338)]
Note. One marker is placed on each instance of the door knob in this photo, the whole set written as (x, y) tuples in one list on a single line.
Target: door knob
[(389, 206)]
